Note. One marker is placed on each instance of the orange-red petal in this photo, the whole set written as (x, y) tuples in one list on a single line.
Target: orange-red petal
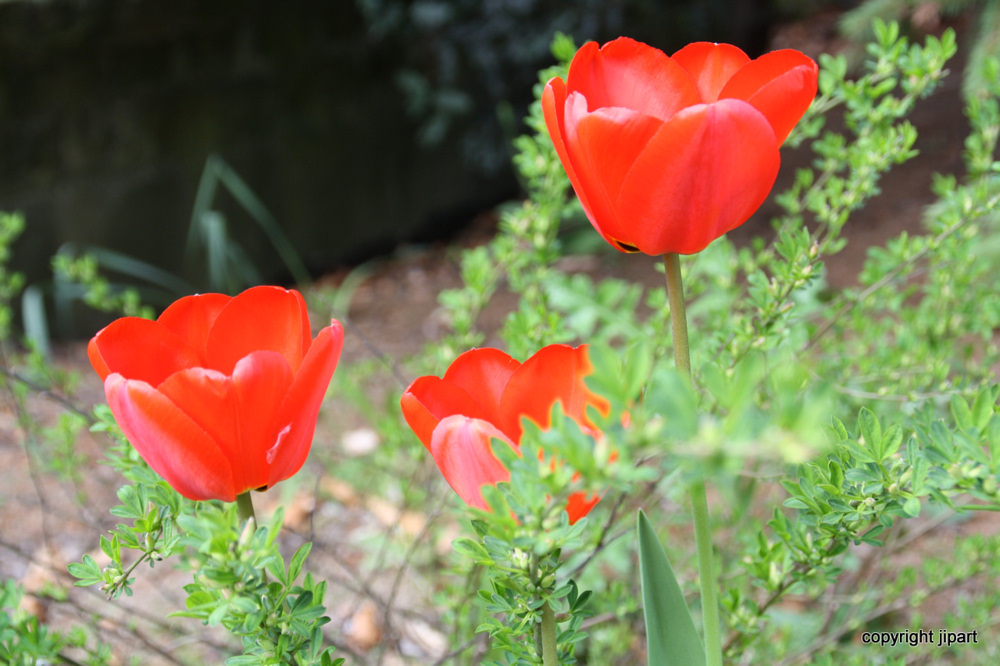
[(629, 74), (299, 410), (462, 449), (781, 85), (206, 397), (704, 173), (554, 111), (191, 318), (429, 399), (603, 147), (139, 349), (710, 66), (483, 373), (174, 446), (554, 374), (296, 420), (259, 318), (579, 505), (262, 381)]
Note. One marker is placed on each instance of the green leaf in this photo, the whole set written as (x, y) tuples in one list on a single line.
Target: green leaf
[(295, 567), (982, 409), (891, 441), (243, 660), (870, 429), (473, 550), (670, 634), (961, 413)]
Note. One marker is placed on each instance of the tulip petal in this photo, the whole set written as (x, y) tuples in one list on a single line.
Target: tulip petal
[(553, 109), (206, 397), (630, 74), (259, 318), (780, 84), (261, 381), (603, 147), (428, 400), (191, 318), (706, 172), (462, 449), (483, 373), (296, 420), (169, 441), (710, 66), (139, 349), (554, 374), (579, 505)]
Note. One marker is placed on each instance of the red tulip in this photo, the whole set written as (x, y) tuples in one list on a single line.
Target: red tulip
[(666, 154), (484, 395), (220, 394)]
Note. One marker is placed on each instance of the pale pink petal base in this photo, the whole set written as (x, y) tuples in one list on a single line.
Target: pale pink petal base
[(174, 446), (462, 449)]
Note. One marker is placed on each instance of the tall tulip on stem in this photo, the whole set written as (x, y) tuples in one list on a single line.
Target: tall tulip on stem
[(666, 154)]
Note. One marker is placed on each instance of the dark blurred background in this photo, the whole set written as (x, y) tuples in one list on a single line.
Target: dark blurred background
[(359, 124)]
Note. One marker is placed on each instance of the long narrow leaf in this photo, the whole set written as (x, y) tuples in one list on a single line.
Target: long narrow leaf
[(265, 220), (671, 637), (36, 326), (202, 203)]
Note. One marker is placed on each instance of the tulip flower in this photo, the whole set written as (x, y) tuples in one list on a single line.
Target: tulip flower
[(665, 153), (220, 394), (484, 395)]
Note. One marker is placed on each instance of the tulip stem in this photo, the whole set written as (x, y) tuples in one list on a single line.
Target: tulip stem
[(699, 500), (678, 313), (244, 503), (550, 650)]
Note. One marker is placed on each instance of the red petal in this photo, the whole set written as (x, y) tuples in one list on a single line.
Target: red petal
[(429, 399), (462, 449), (94, 354), (604, 146), (206, 397), (296, 421), (629, 74), (554, 109), (705, 172), (554, 374), (261, 381), (483, 374), (139, 349), (174, 446), (710, 66), (191, 319), (579, 505), (781, 85), (260, 318)]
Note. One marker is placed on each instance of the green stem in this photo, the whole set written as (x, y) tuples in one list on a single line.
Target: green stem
[(706, 571), (550, 652), (699, 500), (245, 505), (678, 313)]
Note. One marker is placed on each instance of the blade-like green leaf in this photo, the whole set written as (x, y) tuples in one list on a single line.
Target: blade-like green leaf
[(671, 638)]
